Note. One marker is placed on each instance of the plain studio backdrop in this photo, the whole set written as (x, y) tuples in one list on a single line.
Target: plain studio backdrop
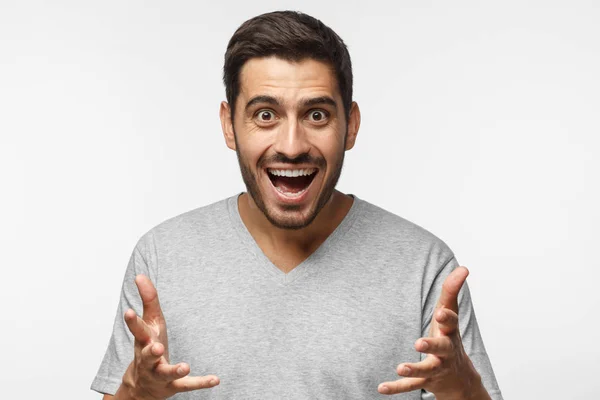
[(480, 124)]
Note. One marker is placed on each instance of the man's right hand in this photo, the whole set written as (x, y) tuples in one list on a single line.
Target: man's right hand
[(150, 376)]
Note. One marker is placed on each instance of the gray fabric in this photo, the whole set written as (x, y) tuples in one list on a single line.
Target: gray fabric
[(333, 328)]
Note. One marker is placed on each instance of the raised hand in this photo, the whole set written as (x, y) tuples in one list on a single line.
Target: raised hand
[(150, 376), (447, 371)]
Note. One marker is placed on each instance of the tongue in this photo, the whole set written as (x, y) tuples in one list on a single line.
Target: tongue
[(291, 185)]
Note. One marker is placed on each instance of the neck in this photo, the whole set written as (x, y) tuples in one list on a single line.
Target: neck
[(300, 241)]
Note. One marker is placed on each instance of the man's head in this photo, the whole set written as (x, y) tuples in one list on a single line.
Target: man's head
[(288, 81)]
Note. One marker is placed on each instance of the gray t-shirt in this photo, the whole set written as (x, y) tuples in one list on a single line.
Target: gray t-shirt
[(334, 327)]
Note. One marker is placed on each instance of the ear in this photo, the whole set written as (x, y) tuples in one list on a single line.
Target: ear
[(227, 124), (353, 125)]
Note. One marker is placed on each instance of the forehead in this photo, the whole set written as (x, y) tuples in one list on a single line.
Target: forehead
[(287, 79)]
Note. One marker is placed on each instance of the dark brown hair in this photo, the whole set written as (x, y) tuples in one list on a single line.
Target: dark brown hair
[(292, 36)]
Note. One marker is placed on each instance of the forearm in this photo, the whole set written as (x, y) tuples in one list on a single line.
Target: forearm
[(123, 393), (126, 392), (472, 389), (480, 394)]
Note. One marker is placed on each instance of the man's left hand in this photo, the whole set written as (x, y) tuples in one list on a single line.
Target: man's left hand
[(447, 371)]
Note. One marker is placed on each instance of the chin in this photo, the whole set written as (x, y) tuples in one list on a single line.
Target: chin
[(289, 219)]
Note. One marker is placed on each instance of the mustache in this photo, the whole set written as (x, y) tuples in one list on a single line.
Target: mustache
[(304, 158)]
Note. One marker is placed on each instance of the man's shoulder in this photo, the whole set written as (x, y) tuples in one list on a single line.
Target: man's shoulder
[(204, 220), (385, 226)]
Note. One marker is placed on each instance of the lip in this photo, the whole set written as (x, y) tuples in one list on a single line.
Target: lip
[(291, 200), (286, 167)]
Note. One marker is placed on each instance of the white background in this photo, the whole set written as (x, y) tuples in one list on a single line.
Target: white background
[(480, 123)]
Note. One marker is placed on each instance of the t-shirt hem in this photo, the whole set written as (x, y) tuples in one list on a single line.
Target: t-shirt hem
[(105, 385)]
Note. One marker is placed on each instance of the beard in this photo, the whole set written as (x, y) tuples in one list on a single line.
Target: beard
[(289, 222)]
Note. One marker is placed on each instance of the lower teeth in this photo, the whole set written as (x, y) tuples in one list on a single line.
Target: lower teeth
[(290, 194)]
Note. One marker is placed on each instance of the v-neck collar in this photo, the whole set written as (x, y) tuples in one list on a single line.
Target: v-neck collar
[(301, 269)]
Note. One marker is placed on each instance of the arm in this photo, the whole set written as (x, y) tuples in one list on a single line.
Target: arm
[(151, 376), (136, 364), (446, 371)]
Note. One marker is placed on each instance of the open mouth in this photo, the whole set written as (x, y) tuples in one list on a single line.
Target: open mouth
[(291, 182)]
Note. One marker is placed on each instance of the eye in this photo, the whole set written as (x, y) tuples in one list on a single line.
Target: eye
[(317, 115), (265, 115)]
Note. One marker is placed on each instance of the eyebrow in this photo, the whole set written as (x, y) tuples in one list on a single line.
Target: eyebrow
[(304, 102), (319, 100), (262, 99)]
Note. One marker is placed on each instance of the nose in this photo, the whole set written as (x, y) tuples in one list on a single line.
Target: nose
[(291, 139)]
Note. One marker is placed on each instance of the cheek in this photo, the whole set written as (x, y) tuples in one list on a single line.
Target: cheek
[(329, 147), (252, 151)]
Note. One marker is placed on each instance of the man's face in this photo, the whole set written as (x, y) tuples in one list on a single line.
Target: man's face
[(290, 137)]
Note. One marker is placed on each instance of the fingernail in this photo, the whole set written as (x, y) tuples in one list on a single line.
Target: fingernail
[(424, 345), (180, 371), (405, 371), (212, 382), (384, 389)]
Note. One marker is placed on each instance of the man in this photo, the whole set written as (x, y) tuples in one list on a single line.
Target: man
[(293, 290)]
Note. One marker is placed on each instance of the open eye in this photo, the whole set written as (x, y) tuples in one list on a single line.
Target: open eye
[(318, 115), (265, 116)]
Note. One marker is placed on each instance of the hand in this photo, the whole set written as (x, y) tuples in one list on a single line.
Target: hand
[(447, 371), (150, 376)]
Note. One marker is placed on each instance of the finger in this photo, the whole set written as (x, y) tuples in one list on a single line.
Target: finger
[(447, 321), (423, 369), (149, 297), (141, 332), (168, 372), (189, 383), (451, 287), (439, 346), (401, 386), (152, 354)]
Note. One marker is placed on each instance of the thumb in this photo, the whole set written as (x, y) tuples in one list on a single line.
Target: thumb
[(451, 287), (149, 297)]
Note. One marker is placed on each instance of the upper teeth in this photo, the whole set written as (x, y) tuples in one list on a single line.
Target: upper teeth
[(292, 172)]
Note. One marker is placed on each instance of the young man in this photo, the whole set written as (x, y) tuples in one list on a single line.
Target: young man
[(293, 290)]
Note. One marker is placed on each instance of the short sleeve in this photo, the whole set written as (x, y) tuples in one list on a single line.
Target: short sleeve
[(469, 330), (119, 353)]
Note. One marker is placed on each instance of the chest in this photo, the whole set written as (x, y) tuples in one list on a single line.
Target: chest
[(318, 338)]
